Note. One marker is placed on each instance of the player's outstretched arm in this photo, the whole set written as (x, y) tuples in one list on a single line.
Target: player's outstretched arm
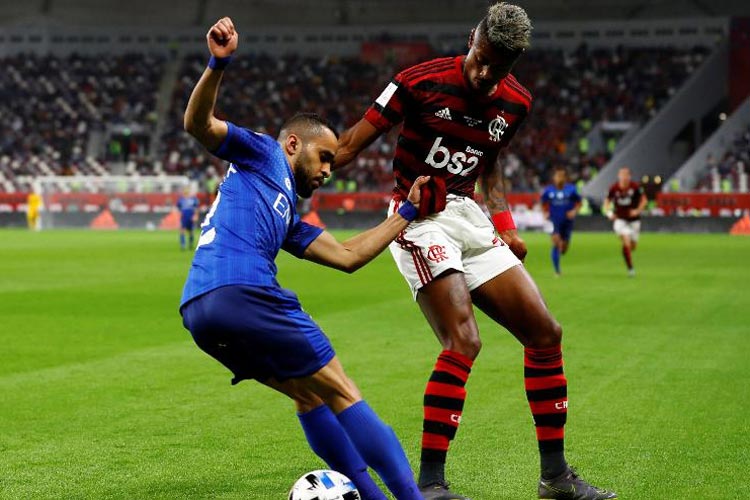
[(362, 248), (353, 141), (493, 190), (199, 120), (641, 205)]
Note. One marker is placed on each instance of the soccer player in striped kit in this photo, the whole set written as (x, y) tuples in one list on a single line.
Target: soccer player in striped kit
[(457, 113)]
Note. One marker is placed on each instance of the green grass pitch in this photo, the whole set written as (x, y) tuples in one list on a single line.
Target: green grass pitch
[(104, 395)]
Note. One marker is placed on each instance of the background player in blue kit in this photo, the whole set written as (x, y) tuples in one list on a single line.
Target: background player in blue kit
[(561, 203), (188, 207), (238, 313)]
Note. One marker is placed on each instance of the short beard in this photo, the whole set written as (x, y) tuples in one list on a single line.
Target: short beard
[(301, 180)]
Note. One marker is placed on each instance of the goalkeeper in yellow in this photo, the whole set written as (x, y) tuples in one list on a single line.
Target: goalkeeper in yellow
[(34, 207)]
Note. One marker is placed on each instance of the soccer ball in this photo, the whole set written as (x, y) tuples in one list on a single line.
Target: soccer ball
[(324, 485)]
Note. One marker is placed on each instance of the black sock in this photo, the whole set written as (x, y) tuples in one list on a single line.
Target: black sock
[(553, 463), (431, 472)]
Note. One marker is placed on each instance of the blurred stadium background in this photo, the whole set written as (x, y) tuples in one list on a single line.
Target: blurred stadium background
[(98, 88)]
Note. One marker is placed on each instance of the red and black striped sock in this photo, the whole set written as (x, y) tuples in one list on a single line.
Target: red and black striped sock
[(443, 405), (547, 392)]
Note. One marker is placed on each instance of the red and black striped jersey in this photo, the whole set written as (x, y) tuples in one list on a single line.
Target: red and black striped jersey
[(448, 130), (625, 199)]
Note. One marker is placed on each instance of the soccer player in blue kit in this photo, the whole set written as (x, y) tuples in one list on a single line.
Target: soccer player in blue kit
[(235, 309), (561, 203), (188, 207)]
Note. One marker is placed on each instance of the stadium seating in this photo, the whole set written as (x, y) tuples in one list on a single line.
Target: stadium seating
[(573, 91), (50, 106), (53, 106), (723, 175)]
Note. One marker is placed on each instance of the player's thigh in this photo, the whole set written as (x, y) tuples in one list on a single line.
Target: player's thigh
[(566, 231), (514, 301), (446, 304)]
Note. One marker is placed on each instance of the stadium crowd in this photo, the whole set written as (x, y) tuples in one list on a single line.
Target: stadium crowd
[(724, 174), (574, 91), (51, 106)]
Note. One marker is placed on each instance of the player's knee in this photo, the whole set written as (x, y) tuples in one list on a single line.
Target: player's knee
[(553, 334), (305, 404), (340, 394), (466, 340), (550, 335)]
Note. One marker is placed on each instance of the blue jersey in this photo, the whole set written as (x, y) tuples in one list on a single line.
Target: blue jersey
[(187, 205), (560, 201), (254, 215)]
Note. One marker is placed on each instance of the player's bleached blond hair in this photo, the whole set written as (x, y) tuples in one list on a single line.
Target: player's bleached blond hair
[(507, 26)]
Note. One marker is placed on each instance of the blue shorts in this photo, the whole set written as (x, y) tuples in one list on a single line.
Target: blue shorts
[(186, 222), (257, 332), (564, 228)]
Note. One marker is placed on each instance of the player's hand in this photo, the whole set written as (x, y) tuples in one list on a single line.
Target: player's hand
[(414, 193), (570, 214), (515, 243), (611, 215), (222, 38), (634, 212)]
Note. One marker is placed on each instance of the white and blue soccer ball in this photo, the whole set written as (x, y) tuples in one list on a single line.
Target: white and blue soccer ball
[(324, 485)]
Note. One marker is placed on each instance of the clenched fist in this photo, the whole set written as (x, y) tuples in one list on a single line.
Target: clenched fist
[(222, 38)]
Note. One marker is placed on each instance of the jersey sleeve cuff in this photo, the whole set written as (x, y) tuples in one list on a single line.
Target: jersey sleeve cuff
[(221, 151), (377, 120)]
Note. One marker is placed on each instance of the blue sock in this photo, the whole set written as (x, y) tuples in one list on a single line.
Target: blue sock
[(379, 446), (182, 240), (329, 441), (556, 259), (192, 240)]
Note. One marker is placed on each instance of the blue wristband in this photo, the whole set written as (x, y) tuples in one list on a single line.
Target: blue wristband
[(219, 63), (408, 211)]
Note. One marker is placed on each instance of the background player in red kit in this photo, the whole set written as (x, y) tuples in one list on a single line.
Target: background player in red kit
[(458, 112), (629, 200)]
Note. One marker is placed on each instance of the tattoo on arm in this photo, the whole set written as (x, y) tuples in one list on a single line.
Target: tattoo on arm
[(493, 186)]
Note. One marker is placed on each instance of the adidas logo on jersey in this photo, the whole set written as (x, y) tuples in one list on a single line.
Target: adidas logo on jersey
[(444, 113)]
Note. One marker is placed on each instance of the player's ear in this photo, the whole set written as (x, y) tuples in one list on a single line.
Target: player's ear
[(292, 144)]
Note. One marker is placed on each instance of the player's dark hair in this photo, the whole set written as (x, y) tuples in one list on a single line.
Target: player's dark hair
[(507, 27), (304, 124)]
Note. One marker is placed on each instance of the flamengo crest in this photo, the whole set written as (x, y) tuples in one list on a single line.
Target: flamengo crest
[(436, 253), (497, 128)]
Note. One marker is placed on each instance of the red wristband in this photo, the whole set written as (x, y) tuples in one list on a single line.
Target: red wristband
[(503, 221)]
